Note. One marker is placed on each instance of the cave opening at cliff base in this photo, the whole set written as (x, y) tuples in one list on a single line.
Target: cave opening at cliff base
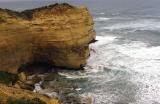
[(37, 68)]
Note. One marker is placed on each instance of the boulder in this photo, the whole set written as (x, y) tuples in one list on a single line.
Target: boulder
[(22, 77)]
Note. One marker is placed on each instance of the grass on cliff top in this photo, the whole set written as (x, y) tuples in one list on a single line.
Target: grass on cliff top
[(25, 101), (7, 78), (1, 19), (29, 13)]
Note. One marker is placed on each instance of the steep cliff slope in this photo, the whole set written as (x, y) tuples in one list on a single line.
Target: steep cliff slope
[(58, 34)]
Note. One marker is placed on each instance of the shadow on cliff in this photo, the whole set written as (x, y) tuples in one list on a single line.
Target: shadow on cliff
[(37, 68), (43, 67)]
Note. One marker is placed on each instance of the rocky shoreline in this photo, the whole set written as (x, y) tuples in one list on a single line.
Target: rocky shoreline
[(35, 44), (49, 86)]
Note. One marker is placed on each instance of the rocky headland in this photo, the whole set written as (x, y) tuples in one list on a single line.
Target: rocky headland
[(57, 35)]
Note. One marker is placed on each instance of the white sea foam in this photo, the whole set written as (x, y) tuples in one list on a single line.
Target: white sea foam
[(72, 75), (38, 87), (108, 54), (138, 49), (102, 40), (136, 25), (136, 58), (92, 64), (102, 19)]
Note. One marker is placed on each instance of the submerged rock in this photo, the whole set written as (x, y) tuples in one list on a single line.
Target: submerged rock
[(57, 34), (66, 90)]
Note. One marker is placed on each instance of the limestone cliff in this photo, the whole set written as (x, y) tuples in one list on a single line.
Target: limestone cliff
[(58, 34)]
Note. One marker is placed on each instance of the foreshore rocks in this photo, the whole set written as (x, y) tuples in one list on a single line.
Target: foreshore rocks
[(7, 93), (58, 34)]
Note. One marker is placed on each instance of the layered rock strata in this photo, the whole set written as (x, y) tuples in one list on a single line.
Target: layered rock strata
[(58, 34)]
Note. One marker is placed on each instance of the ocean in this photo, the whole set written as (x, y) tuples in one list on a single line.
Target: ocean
[(124, 66)]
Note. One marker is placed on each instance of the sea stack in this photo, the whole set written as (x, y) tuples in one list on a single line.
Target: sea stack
[(58, 34)]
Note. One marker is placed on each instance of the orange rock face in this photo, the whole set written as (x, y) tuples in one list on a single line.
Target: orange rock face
[(58, 34)]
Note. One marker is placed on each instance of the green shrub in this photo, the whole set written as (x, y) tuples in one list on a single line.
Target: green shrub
[(7, 78), (25, 101), (1, 19)]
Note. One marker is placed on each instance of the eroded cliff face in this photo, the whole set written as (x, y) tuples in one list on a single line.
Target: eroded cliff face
[(58, 34)]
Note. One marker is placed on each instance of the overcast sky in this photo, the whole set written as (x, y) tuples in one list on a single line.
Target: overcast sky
[(15, 0), (92, 4)]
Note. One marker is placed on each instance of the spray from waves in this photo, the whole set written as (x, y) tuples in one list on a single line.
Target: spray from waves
[(98, 19), (136, 58), (148, 24), (102, 41), (110, 54)]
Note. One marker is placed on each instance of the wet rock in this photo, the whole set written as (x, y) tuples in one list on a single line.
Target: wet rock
[(71, 99), (22, 77), (24, 85), (51, 77), (36, 79)]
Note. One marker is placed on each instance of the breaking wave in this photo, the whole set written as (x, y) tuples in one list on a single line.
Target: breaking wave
[(101, 19), (128, 72)]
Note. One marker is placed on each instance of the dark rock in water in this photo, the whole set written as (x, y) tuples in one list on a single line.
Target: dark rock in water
[(55, 85), (36, 79), (93, 41), (71, 99), (64, 88), (60, 84), (51, 77)]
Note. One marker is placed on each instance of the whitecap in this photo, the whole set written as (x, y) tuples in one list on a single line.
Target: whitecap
[(102, 19)]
